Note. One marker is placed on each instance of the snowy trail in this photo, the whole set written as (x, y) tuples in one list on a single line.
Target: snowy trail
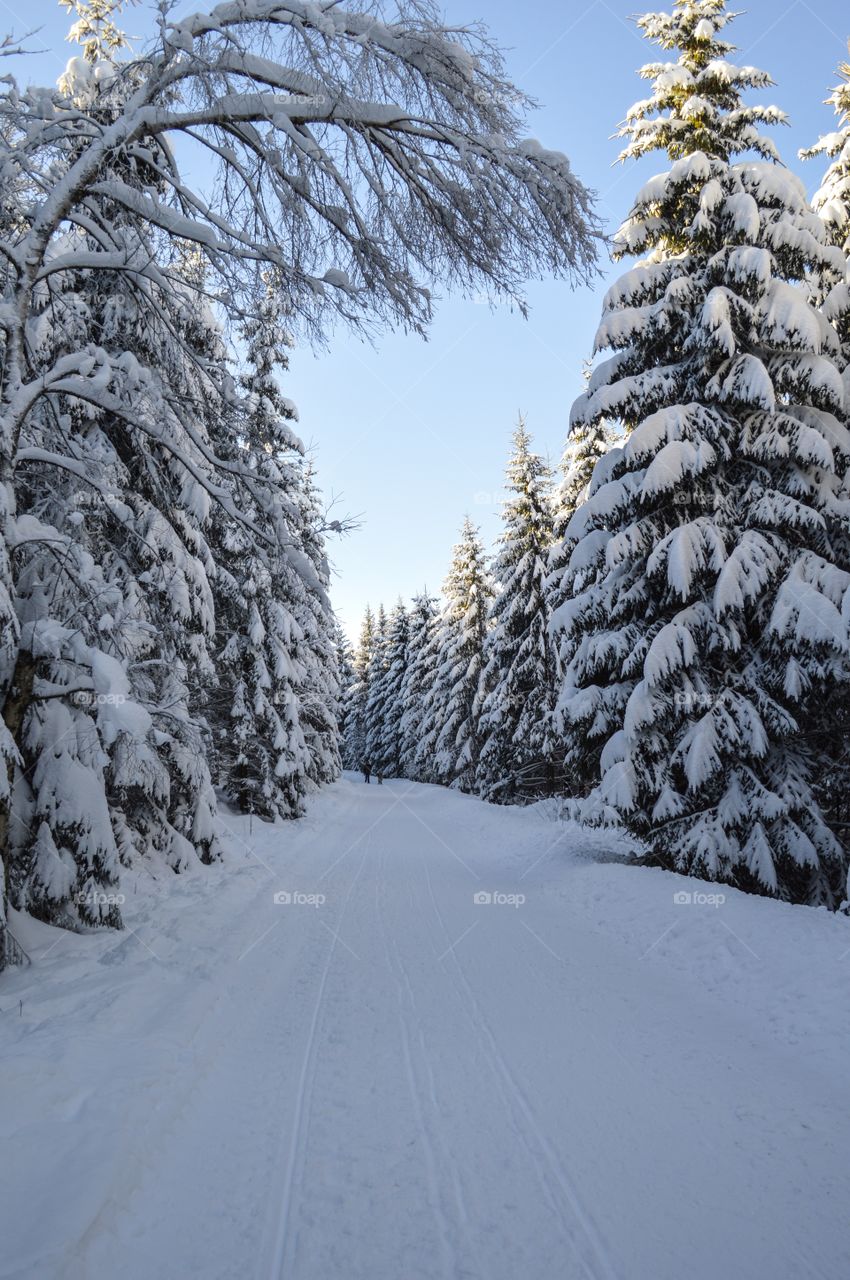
[(402, 1084)]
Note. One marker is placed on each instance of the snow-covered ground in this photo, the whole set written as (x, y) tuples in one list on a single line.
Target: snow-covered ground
[(392, 1081)]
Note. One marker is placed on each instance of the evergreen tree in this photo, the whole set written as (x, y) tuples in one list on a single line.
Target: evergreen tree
[(705, 623), (829, 732), (274, 708), (376, 708), (832, 199), (518, 745), (346, 678), (319, 689), (434, 709), (121, 590), (417, 679), (451, 737), (586, 444), (354, 747), (387, 754)]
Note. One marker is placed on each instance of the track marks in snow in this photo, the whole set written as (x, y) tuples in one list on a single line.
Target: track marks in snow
[(557, 1185), (446, 1105), (285, 1237), (445, 1191)]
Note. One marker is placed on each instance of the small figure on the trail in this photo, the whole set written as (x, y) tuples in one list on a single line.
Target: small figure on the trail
[(367, 770), (380, 778)]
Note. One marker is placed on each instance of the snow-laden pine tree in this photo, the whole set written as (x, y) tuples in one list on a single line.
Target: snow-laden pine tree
[(417, 679), (385, 752), (451, 738), (433, 710), (586, 445), (263, 757), (832, 199), (345, 679), (587, 442), (376, 707), (113, 577), (831, 724), (318, 691), (517, 694), (354, 746), (708, 617)]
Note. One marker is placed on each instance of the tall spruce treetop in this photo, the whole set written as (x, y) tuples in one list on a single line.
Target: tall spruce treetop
[(357, 694), (365, 645), (696, 104), (386, 753), (373, 716), (518, 684), (264, 755), (706, 621), (456, 708)]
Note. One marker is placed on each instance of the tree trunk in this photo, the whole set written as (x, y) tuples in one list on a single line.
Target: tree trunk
[(18, 699)]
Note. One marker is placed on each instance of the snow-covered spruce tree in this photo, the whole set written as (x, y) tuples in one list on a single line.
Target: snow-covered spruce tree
[(386, 754), (518, 744), (263, 757), (319, 689), (587, 442), (417, 679), (345, 679), (453, 708), (830, 728), (584, 448), (354, 746), (114, 555), (300, 137), (706, 621), (434, 705), (375, 710), (832, 199)]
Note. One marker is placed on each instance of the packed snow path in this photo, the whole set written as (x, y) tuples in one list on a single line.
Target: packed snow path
[(401, 1083)]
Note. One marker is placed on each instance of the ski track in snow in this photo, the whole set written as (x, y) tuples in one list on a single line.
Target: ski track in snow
[(420, 1082), (403, 1085), (303, 1104), (599, 1265)]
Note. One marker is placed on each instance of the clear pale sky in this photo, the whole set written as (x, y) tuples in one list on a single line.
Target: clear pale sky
[(411, 435)]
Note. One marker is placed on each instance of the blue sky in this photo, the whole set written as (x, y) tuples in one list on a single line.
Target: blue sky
[(413, 435)]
